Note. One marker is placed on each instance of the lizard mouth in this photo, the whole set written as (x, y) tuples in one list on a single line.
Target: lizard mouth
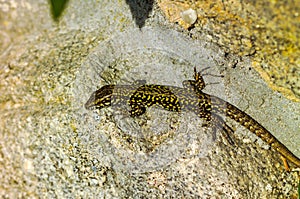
[(90, 105)]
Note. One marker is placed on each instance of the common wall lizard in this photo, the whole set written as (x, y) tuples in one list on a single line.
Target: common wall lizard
[(189, 98)]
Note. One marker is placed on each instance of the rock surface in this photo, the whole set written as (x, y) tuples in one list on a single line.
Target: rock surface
[(51, 147)]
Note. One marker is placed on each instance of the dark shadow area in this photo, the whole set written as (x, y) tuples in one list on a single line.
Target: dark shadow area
[(57, 7), (140, 10)]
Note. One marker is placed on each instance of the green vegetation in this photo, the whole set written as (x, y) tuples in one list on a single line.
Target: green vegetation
[(57, 7)]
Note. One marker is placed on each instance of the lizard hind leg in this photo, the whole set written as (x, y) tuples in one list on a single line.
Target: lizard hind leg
[(199, 81), (219, 124), (190, 84)]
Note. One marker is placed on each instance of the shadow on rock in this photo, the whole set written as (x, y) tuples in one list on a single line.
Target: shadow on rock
[(140, 10)]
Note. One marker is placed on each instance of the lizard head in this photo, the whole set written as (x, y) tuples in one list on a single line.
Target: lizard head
[(100, 98)]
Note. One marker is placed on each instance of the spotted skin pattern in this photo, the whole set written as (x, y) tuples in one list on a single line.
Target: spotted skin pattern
[(190, 98)]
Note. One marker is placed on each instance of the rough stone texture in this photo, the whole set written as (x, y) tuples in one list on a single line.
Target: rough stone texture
[(267, 31), (51, 147)]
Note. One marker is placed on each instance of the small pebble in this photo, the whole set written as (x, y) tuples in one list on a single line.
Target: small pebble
[(189, 16)]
